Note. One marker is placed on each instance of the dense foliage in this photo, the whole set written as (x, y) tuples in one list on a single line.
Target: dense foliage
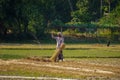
[(26, 19)]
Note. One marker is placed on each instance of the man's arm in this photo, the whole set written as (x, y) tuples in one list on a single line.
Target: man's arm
[(53, 36)]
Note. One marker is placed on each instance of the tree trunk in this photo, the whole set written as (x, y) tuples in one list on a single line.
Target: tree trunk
[(19, 26), (109, 6), (26, 27), (101, 8), (71, 7)]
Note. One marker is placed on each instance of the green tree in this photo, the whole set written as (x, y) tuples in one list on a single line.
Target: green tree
[(109, 5), (88, 10), (112, 18)]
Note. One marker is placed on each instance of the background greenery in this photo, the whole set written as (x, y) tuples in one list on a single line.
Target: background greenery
[(26, 20)]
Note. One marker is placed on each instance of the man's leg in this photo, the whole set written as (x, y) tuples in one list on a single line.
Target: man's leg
[(60, 56)]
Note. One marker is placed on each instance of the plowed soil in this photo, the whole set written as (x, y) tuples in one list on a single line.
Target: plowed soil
[(106, 69)]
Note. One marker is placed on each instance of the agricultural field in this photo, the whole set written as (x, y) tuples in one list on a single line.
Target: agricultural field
[(81, 61)]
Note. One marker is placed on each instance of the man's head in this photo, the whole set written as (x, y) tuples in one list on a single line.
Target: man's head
[(59, 34)]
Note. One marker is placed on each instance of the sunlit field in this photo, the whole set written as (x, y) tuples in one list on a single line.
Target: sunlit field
[(16, 51), (81, 61)]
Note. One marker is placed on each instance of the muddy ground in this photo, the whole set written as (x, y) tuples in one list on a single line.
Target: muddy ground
[(97, 69)]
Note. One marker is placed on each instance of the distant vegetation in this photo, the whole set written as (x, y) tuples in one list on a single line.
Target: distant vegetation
[(34, 20)]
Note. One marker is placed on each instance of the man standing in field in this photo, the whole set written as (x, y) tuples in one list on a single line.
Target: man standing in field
[(59, 39)]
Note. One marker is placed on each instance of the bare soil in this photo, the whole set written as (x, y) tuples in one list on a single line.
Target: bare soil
[(109, 69)]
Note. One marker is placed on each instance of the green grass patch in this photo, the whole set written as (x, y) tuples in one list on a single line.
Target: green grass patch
[(92, 53), (69, 53), (17, 54)]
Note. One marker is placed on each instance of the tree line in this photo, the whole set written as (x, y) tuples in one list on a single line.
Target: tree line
[(22, 18)]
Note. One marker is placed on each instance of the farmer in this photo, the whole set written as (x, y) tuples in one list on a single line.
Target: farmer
[(59, 39)]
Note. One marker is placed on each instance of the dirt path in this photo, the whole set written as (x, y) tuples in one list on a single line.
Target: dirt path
[(31, 78), (72, 67), (57, 66)]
